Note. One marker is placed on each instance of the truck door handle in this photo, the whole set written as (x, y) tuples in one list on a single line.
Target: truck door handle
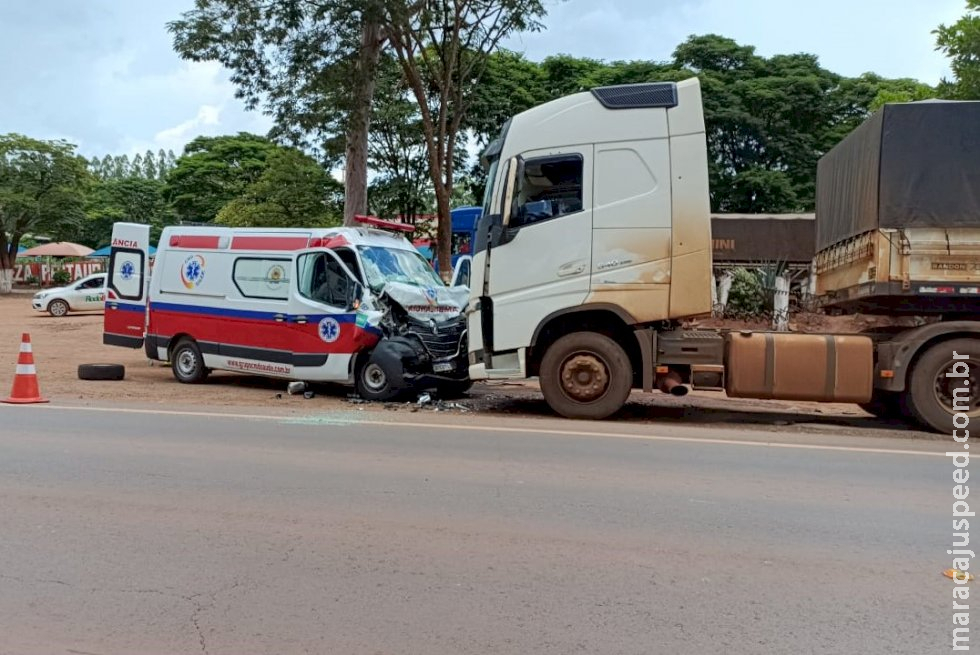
[(572, 268), (280, 318), (300, 319)]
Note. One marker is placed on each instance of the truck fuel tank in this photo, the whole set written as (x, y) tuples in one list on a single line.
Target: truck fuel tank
[(782, 366)]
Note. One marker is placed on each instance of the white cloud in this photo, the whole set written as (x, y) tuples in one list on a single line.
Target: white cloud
[(890, 37), (175, 137), (103, 74)]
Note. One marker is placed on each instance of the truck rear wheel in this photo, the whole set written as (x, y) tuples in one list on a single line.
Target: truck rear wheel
[(586, 375), (931, 394)]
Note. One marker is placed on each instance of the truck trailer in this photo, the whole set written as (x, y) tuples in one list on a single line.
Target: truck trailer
[(594, 253)]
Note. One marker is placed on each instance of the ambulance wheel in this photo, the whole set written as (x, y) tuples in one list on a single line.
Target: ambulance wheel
[(58, 308), (187, 362), (372, 382)]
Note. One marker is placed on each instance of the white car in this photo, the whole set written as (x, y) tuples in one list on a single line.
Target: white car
[(84, 295)]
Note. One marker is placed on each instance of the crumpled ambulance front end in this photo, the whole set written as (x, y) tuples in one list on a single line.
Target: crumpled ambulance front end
[(424, 342)]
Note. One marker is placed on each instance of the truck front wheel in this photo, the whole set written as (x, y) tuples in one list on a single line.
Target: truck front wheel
[(586, 375), (934, 397)]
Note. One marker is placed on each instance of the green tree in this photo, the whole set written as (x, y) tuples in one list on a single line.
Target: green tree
[(149, 166), (509, 85), (292, 191), (42, 186), (397, 150), (121, 166), (444, 48), (213, 171), (310, 64), (961, 43), (130, 199)]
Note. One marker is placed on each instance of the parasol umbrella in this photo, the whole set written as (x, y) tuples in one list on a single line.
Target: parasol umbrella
[(58, 249)]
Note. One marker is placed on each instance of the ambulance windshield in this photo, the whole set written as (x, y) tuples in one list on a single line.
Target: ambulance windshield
[(383, 265)]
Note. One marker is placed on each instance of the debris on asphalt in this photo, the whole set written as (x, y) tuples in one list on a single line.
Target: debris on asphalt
[(296, 387), (424, 399), (956, 574), (308, 394)]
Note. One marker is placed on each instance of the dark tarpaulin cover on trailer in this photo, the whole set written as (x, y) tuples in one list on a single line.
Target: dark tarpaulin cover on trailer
[(909, 165)]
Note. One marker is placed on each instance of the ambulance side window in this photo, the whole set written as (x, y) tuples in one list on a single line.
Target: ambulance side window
[(323, 279)]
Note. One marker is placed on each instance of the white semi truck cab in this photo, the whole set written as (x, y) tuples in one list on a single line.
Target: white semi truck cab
[(594, 247)]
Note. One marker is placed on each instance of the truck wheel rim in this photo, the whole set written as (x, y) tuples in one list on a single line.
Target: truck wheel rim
[(375, 378), (944, 387), (186, 363), (584, 377)]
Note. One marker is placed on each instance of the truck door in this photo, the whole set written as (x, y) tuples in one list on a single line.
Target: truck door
[(541, 257), (127, 286)]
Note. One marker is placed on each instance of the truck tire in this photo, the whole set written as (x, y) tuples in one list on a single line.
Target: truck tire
[(187, 362), (930, 392), (101, 371), (586, 375), (885, 404), (58, 308)]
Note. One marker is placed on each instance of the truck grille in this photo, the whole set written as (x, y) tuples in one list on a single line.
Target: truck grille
[(445, 341)]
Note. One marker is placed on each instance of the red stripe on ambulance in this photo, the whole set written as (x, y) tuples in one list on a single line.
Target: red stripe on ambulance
[(195, 241), (268, 243)]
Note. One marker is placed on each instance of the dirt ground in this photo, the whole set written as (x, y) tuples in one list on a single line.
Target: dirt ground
[(61, 344)]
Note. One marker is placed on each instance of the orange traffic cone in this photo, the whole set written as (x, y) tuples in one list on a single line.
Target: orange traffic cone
[(25, 381)]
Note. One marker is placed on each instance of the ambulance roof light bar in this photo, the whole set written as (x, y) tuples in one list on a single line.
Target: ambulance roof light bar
[(374, 221)]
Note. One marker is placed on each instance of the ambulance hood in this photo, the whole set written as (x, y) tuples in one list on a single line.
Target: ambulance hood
[(424, 303)]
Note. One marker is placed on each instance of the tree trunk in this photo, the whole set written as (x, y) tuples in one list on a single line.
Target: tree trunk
[(444, 233), (359, 123), (7, 261)]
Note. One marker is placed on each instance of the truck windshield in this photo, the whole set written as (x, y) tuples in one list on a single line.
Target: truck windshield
[(383, 265), (488, 192)]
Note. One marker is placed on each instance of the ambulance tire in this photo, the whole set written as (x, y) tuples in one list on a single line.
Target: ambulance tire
[(187, 362), (101, 371), (372, 382)]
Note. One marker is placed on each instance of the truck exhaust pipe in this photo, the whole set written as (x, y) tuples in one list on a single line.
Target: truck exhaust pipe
[(671, 383)]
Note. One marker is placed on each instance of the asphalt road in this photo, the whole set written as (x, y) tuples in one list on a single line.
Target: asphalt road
[(148, 533)]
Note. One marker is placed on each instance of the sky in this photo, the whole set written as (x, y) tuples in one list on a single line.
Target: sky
[(102, 74)]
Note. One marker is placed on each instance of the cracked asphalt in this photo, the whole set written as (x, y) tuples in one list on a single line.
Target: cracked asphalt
[(124, 533)]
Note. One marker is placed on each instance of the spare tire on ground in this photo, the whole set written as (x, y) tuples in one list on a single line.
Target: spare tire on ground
[(101, 371)]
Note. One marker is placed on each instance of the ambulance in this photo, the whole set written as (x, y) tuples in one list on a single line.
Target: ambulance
[(355, 305)]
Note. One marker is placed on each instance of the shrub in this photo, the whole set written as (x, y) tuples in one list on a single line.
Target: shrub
[(61, 277)]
